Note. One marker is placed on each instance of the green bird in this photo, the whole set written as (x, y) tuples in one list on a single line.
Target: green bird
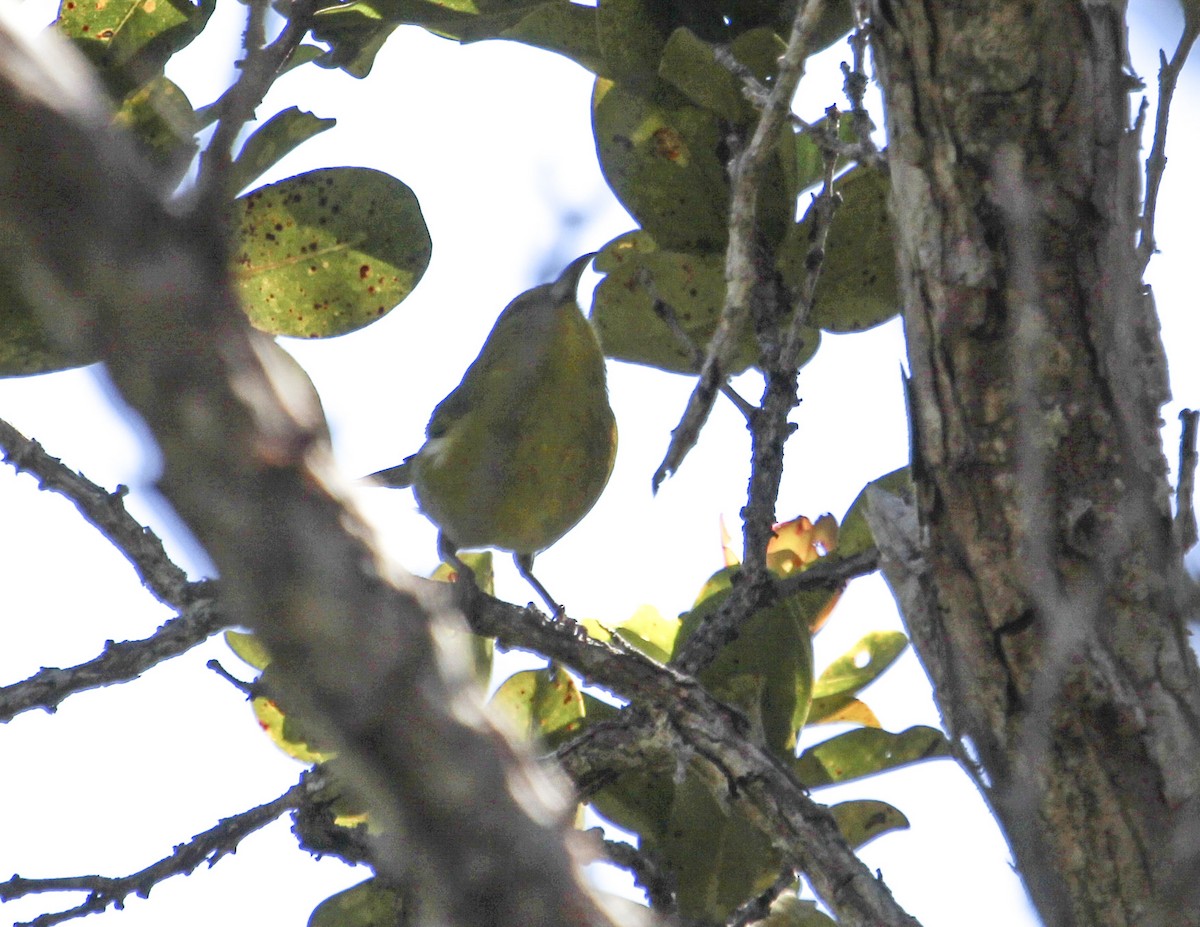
[(523, 447)]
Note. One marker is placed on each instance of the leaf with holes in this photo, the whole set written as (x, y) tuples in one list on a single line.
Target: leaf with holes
[(328, 252), (861, 665), (865, 752)]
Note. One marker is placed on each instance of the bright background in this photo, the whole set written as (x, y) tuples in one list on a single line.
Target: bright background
[(495, 140)]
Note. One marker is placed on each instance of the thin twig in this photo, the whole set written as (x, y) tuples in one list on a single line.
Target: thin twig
[(107, 512), (855, 85), (1156, 163), (199, 617), (757, 908), (740, 273), (1185, 491), (259, 68), (665, 311), (119, 662), (646, 872), (104, 892), (771, 428)]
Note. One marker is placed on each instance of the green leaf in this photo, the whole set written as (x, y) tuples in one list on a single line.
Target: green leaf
[(865, 752), (631, 36), (717, 858), (861, 665), (659, 155), (857, 287), (690, 65), (566, 28), (646, 630), (862, 821), (248, 648), (354, 32), (766, 671), (854, 536), (272, 141), (25, 348), (160, 117), (328, 252), (810, 161), (130, 41), (691, 285), (637, 801), (367, 904)]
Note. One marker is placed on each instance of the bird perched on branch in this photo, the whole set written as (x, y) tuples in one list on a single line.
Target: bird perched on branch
[(522, 448)]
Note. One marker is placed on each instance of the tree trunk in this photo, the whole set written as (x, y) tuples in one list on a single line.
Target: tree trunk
[(1053, 628)]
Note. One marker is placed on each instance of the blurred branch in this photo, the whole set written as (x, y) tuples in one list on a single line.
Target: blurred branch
[(741, 273), (186, 858), (1185, 491), (361, 647), (647, 873)]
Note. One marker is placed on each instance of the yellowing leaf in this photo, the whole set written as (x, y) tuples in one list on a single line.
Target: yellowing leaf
[(799, 542), (272, 720), (846, 709), (862, 821), (544, 705), (248, 648)]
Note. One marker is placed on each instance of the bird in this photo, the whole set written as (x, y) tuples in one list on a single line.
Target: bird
[(519, 452)]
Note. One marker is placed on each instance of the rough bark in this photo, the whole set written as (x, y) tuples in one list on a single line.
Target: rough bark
[(1054, 599)]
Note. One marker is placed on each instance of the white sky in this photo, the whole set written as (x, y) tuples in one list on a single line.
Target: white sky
[(495, 140)]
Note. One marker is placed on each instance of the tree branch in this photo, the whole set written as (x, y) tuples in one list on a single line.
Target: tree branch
[(107, 512), (360, 646), (186, 858), (119, 661), (741, 276), (1156, 162)]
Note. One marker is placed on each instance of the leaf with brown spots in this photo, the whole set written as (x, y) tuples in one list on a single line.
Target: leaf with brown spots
[(857, 287), (328, 252), (129, 41)]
